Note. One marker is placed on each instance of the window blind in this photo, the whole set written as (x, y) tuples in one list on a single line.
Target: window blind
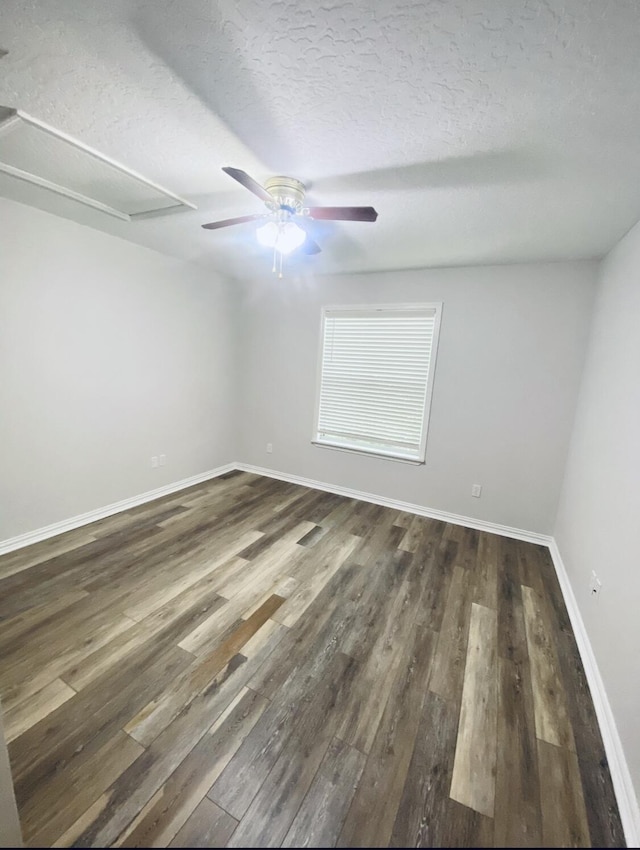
[(374, 382)]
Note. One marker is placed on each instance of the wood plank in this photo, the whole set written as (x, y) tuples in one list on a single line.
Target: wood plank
[(284, 588), (275, 805), (465, 827), (173, 805), (30, 556), (276, 530), (564, 818), (421, 819), (323, 505), (438, 554), (448, 665), (164, 627), (288, 504), (137, 785), (512, 637), (188, 607), (156, 715), (69, 796), (403, 519), (307, 713), (485, 574), (324, 808), (21, 717), (341, 515), (312, 537), (65, 750), (277, 561), (42, 638), (529, 567), (367, 701), (70, 836), (467, 557), (552, 593), (76, 568), (364, 518), (603, 817), (414, 532), (264, 633), (383, 535), (259, 581), (23, 681), (370, 820), (71, 732), (473, 780), (227, 571), (13, 628), (317, 636), (517, 808), (324, 568), (605, 827), (48, 644), (66, 571), (252, 511), (549, 700), (143, 813), (155, 512), (208, 826), (156, 600), (373, 597)]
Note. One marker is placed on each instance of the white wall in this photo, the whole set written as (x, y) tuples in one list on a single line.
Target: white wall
[(109, 353), (598, 525), (512, 345)]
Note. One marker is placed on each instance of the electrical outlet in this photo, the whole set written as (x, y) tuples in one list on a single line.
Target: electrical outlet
[(163, 460), (476, 490), (154, 461), (269, 448), (595, 585)]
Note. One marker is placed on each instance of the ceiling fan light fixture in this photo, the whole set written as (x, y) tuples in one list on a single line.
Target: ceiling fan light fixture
[(282, 236), (284, 199)]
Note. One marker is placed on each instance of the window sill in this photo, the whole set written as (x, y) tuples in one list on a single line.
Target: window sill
[(368, 453)]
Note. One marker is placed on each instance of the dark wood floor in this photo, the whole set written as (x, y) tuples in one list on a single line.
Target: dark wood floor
[(252, 663)]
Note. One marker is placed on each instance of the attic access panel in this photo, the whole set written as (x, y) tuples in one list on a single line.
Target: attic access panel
[(33, 151)]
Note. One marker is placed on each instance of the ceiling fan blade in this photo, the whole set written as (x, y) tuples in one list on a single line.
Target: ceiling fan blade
[(343, 213), (227, 222), (310, 246), (249, 183)]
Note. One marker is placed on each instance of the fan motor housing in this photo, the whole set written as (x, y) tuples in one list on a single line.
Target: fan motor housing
[(286, 192)]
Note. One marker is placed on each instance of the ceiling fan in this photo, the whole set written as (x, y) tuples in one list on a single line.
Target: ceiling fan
[(284, 230)]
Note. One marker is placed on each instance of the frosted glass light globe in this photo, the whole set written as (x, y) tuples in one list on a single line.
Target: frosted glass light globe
[(284, 236)]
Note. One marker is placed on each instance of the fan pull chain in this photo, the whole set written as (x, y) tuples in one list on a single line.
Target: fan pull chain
[(274, 269)]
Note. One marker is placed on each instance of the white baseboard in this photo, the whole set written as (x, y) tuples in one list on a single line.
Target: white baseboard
[(47, 531), (432, 513), (55, 528), (620, 775)]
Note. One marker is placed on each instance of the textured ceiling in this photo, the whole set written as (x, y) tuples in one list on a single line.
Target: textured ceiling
[(482, 130)]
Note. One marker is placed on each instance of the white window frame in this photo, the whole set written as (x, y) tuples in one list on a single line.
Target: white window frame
[(382, 308)]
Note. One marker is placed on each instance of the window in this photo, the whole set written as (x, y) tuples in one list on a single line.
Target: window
[(376, 378)]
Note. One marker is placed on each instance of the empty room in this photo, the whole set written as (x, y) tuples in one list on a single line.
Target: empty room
[(320, 404)]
